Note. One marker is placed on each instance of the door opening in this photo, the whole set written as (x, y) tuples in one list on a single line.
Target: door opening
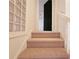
[(44, 15), (48, 16)]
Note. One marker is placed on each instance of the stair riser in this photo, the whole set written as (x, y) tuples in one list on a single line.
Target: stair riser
[(45, 44), (45, 35)]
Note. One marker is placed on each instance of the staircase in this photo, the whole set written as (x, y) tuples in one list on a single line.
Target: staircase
[(44, 45)]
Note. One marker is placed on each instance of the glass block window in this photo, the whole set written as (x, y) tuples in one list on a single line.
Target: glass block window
[(17, 14)]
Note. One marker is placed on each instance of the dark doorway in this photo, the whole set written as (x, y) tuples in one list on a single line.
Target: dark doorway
[(48, 16)]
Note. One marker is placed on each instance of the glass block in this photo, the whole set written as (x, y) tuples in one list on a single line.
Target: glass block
[(18, 3), (24, 2), (23, 27), (23, 16), (25, 10), (11, 7), (22, 9), (17, 20), (23, 21), (18, 12), (17, 27), (11, 17), (10, 27), (11, 0)]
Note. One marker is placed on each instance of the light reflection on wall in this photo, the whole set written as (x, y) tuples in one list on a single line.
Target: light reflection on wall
[(41, 14)]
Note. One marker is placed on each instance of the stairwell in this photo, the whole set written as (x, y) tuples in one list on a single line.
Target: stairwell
[(44, 45)]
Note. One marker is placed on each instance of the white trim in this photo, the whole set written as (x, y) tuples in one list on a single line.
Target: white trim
[(37, 15), (53, 15)]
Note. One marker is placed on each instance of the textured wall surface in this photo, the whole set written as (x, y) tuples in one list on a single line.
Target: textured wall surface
[(18, 40)]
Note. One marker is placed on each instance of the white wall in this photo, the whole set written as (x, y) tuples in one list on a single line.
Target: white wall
[(62, 20), (68, 24), (68, 8), (67, 33)]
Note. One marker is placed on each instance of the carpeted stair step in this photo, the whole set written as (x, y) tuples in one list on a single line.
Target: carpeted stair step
[(45, 43), (44, 53), (45, 35)]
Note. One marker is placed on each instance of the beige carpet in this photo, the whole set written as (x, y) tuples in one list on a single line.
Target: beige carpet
[(44, 46)]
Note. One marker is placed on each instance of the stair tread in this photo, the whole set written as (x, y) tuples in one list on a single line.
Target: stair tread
[(45, 35), (45, 39), (44, 53), (46, 32), (45, 43)]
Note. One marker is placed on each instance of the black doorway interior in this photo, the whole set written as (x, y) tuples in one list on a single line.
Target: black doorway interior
[(48, 16)]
